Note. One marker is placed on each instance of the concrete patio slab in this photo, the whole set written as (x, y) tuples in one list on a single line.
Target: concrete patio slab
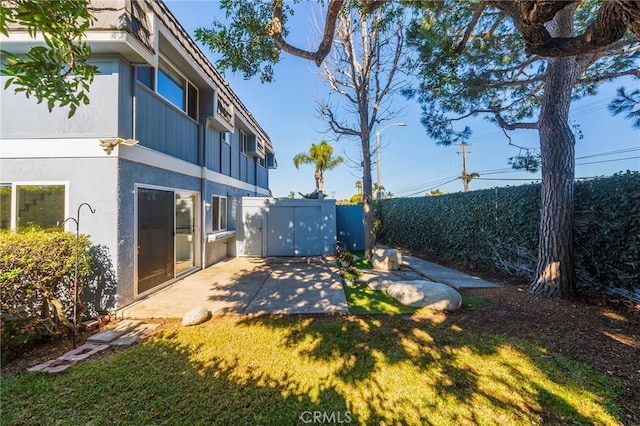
[(226, 287), (300, 288), (249, 286), (450, 277)]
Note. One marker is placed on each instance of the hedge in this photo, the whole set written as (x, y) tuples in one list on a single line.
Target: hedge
[(498, 228), (36, 284)]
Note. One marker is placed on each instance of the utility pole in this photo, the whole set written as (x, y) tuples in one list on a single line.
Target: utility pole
[(465, 175)]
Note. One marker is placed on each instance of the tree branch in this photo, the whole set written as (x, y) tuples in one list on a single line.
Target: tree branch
[(613, 19), (512, 126), (470, 27), (324, 48), (610, 76)]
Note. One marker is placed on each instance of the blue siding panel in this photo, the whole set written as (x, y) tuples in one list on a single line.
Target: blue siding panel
[(162, 127), (350, 226)]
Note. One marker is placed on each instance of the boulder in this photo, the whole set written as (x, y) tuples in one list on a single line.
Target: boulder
[(386, 260), (196, 316), (425, 294), (381, 282)]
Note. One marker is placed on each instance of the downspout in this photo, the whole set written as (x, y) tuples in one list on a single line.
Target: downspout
[(203, 191)]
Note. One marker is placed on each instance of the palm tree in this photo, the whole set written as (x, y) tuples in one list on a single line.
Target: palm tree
[(359, 186), (321, 155)]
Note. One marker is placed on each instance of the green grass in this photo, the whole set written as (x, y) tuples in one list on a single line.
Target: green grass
[(361, 263), (271, 370), (362, 300)]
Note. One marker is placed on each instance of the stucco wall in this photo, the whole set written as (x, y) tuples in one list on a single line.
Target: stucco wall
[(98, 119), (93, 181)]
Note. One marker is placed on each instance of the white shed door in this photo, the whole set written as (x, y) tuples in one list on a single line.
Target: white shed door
[(294, 231)]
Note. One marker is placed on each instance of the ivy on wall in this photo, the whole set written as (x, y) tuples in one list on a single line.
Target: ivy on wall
[(498, 228)]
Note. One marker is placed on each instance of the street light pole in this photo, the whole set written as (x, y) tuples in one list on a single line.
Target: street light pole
[(378, 174)]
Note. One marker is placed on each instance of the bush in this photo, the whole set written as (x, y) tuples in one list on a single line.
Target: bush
[(36, 284), (498, 228)]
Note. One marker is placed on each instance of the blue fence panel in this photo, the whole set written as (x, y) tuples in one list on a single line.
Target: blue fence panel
[(350, 226)]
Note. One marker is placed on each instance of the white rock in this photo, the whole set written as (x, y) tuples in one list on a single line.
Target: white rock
[(427, 294), (381, 283), (386, 260), (195, 316)]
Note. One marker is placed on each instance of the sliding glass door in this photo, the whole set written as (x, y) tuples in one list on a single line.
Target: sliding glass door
[(166, 235), (185, 231), (155, 238)]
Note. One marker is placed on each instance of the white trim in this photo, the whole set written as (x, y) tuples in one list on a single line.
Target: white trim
[(52, 148), (222, 235), (89, 148), (150, 157), (96, 39)]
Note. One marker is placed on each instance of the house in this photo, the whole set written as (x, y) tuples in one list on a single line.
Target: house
[(161, 153)]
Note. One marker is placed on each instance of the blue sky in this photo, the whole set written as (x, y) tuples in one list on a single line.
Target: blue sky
[(411, 162)]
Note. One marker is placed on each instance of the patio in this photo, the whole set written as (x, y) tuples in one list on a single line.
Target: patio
[(248, 285)]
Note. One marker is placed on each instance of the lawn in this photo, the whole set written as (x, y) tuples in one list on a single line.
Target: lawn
[(285, 370), (364, 301)]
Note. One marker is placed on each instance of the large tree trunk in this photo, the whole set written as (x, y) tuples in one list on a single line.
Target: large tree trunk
[(367, 198), (555, 274)]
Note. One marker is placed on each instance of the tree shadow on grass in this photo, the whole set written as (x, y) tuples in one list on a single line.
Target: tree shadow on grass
[(159, 383), (285, 370), (449, 375)]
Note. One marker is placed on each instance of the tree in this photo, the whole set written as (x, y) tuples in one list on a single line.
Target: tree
[(321, 156), (492, 76), (608, 22), (251, 43), (256, 36), (362, 71), (468, 177), (58, 71), (292, 195), (627, 102), (359, 186), (434, 193)]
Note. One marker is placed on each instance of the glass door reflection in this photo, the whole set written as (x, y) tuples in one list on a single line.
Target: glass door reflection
[(185, 231)]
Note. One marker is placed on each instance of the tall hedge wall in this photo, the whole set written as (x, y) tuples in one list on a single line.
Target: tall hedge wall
[(498, 228)]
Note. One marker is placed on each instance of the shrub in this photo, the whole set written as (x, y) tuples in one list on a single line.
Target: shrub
[(498, 228), (36, 284)]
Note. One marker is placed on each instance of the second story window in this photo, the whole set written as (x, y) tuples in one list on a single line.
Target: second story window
[(177, 90), (145, 75), (244, 142)]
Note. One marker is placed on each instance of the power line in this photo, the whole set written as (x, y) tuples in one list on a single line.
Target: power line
[(603, 154), (609, 161), (433, 187)]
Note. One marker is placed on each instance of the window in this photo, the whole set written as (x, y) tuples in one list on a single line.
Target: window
[(260, 161), (219, 216), (171, 86), (145, 76), (177, 90), (192, 102), (244, 142), (5, 206), (225, 137), (39, 205)]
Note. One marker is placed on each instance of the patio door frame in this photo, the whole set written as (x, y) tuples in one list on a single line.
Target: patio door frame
[(197, 245)]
